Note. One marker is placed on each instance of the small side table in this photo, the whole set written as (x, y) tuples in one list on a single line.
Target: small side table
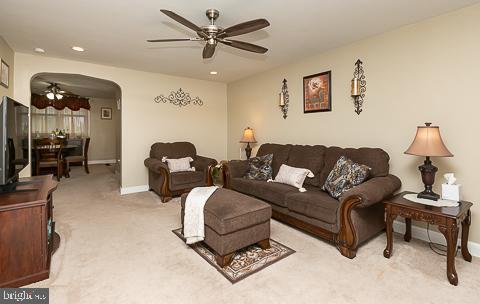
[(448, 220)]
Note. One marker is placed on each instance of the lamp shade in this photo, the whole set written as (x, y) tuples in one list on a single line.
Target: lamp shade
[(248, 136), (428, 142)]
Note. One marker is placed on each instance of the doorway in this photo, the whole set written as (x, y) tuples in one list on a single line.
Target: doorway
[(83, 115)]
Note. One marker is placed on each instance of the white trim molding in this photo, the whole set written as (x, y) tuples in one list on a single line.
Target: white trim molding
[(134, 189), (102, 161), (436, 237)]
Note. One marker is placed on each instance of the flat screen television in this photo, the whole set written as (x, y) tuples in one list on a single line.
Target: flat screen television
[(14, 121)]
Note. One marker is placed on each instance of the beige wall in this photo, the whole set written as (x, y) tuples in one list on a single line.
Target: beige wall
[(6, 53), (424, 72), (144, 121), (103, 132)]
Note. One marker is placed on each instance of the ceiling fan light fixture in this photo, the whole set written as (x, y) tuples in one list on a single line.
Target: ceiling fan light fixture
[(59, 96), (51, 96)]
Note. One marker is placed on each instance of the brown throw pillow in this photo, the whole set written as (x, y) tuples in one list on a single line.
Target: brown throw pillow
[(260, 168), (345, 175)]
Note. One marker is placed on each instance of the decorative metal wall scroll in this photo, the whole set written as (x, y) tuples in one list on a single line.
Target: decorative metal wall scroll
[(179, 98), (284, 99), (359, 86)]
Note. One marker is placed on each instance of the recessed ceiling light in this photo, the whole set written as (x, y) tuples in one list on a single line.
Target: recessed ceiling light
[(213, 73), (39, 50), (78, 49)]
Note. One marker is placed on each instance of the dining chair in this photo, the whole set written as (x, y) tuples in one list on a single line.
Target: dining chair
[(78, 158), (48, 154)]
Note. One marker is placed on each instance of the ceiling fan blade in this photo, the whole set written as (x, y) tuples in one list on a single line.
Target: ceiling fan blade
[(181, 20), (208, 50), (174, 39), (245, 46), (244, 28)]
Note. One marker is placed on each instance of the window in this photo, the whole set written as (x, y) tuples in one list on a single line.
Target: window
[(75, 123)]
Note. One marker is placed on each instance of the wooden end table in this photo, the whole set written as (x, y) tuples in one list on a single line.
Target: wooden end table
[(448, 220)]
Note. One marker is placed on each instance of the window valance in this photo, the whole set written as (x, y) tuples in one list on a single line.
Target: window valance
[(74, 103)]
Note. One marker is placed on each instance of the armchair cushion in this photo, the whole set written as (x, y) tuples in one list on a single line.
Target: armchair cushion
[(374, 190), (179, 180), (201, 163), (155, 165)]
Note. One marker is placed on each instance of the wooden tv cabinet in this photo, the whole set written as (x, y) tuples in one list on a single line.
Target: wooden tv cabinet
[(27, 232)]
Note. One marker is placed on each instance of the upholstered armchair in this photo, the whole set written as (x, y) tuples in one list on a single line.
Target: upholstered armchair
[(168, 184)]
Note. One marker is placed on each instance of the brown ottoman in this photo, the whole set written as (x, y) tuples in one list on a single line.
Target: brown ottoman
[(234, 221)]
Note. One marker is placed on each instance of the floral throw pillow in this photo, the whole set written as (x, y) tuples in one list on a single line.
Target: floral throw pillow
[(260, 168), (345, 175)]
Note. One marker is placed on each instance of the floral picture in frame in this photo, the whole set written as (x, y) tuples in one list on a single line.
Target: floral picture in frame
[(106, 113), (4, 72), (317, 92)]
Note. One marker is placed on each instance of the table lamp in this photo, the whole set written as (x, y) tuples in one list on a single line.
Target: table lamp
[(248, 138), (428, 143)]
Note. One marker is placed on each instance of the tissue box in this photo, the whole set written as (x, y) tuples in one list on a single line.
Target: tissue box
[(451, 192)]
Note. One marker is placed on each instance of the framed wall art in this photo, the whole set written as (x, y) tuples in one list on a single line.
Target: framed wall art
[(317, 92), (4, 71), (106, 113)]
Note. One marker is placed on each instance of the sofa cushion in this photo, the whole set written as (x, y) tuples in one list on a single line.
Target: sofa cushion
[(280, 154), (309, 157), (375, 158), (260, 168), (271, 192), (185, 178), (227, 211), (345, 175), (173, 150), (315, 204)]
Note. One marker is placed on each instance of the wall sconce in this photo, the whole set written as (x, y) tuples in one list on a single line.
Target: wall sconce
[(284, 99), (359, 86)]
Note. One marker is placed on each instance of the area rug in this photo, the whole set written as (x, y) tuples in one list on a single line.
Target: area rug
[(246, 261)]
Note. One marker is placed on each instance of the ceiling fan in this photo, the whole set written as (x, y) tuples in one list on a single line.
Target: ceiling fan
[(54, 92), (212, 33)]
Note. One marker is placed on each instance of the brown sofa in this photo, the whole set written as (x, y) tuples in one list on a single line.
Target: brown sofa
[(353, 219), (167, 184)]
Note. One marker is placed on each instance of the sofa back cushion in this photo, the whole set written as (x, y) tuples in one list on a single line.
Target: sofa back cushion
[(375, 158), (173, 150), (280, 154), (308, 157)]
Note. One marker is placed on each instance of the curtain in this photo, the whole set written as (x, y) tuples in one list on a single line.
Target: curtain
[(44, 121), (74, 103)]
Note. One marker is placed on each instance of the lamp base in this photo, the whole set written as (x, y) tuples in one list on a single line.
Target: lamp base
[(429, 195), (248, 151), (428, 177)]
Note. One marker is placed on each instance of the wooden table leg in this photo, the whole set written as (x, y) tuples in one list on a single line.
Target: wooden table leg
[(408, 230), (389, 228), (451, 234), (465, 229)]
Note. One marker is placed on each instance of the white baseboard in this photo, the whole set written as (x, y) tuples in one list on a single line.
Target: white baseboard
[(134, 189), (436, 237), (102, 161)]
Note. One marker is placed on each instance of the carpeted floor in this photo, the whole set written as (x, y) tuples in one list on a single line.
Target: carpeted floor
[(120, 249)]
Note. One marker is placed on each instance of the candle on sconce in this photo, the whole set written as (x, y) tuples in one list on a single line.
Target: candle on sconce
[(282, 99), (355, 88)]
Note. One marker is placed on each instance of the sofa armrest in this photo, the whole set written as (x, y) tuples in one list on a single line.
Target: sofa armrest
[(373, 191), (232, 169), (202, 163), (156, 165)]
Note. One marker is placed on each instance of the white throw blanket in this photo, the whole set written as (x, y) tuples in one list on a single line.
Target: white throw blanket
[(193, 220)]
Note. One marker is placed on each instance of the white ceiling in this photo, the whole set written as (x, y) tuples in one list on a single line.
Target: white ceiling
[(114, 32), (80, 85)]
